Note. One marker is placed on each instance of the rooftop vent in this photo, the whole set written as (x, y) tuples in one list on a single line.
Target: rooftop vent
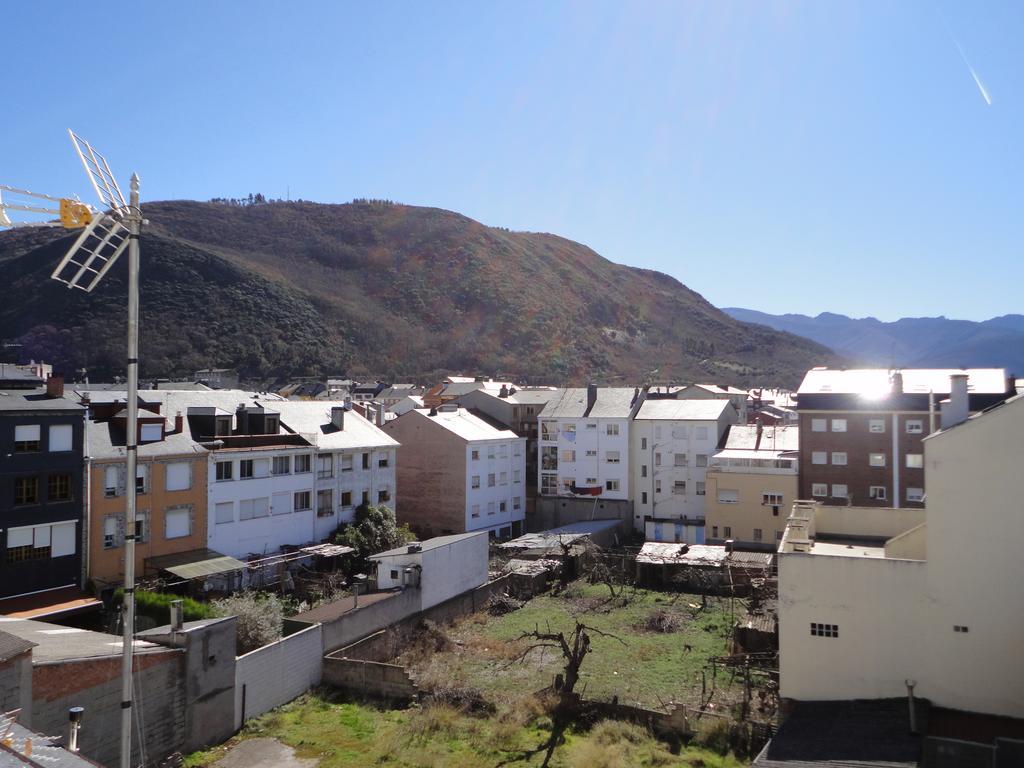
[(414, 547)]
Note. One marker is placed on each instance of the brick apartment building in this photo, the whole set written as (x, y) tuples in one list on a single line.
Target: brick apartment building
[(861, 430)]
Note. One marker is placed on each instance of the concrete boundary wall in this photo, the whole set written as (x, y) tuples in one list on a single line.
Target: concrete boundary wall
[(374, 679), (277, 673)]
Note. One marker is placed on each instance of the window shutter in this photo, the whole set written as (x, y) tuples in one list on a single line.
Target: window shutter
[(62, 540), (60, 437), (19, 537), (178, 476), (26, 433)]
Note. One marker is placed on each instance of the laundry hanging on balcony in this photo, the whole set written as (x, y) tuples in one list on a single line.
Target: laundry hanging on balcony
[(585, 490)]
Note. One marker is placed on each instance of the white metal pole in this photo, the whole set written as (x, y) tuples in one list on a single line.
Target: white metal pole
[(131, 447)]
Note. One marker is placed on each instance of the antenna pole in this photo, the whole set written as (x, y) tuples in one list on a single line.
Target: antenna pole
[(134, 222)]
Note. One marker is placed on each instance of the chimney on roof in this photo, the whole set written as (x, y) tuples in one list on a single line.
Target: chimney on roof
[(503, 392), (348, 402), (760, 431), (179, 423), (379, 407), (74, 726), (338, 416), (591, 396), (897, 383), (433, 412), (55, 386), (956, 409)]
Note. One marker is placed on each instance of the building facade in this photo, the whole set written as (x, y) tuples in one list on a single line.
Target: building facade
[(672, 444), (751, 486), (42, 501), (457, 473), (861, 431), (927, 605)]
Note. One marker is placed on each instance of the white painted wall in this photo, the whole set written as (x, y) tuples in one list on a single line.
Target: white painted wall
[(447, 571), (590, 436), (266, 534), (277, 673), (509, 457), (355, 481)]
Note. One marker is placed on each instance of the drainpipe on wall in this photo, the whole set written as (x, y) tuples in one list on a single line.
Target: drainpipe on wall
[(910, 704)]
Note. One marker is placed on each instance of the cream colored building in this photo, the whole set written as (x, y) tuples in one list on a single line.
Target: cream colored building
[(937, 605), (751, 485)]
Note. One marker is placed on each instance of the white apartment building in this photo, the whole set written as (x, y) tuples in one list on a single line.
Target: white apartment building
[(354, 462), (934, 604), (458, 473), (584, 445), (672, 443)]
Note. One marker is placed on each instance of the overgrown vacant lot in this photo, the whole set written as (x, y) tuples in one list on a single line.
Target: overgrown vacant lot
[(346, 735), (646, 664)]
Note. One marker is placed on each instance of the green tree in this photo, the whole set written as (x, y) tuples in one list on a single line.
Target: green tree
[(373, 529)]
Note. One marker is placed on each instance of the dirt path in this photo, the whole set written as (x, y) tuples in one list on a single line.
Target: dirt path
[(263, 753)]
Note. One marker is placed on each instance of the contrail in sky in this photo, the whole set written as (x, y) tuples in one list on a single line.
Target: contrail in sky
[(977, 80)]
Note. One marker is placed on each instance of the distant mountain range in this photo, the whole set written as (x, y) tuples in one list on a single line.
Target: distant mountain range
[(912, 342), (287, 289)]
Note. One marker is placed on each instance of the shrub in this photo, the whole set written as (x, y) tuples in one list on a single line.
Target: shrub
[(157, 606), (662, 621), (500, 604), (260, 618)]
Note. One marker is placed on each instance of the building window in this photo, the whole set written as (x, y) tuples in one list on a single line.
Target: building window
[(517, 503), (60, 438), (657, 459), (915, 494), (643, 497), (643, 443), (475, 455), (679, 488), (591, 425), (366, 461), (245, 469), (474, 511), (503, 451), (141, 479), (490, 507), (325, 503), (569, 456), (915, 426), (345, 461), (728, 496), (819, 457), (876, 459), (819, 489), (915, 460), (474, 481), (714, 531), (26, 490), (250, 509), (839, 491), (876, 492), (490, 480), (324, 465), (346, 499), (178, 476), (839, 458), (58, 488), (961, 628), (302, 501), (758, 534), (702, 459), (110, 482), (383, 496), (613, 430), (225, 470), (302, 463), (612, 457), (490, 451), (769, 498), (383, 460), (680, 460), (657, 487), (838, 425), (876, 425), (366, 497), (503, 478), (177, 522), (282, 465), (112, 525), (702, 433), (727, 531), (548, 484), (26, 438), (151, 433), (224, 513), (517, 449), (824, 630), (819, 425), (517, 476), (778, 535), (611, 485), (643, 470), (701, 489), (502, 507), (591, 454)]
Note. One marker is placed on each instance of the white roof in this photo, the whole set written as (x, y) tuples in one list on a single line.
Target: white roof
[(744, 437), (312, 420), (683, 410), (611, 403), (660, 553), (464, 424), (426, 546), (877, 381)]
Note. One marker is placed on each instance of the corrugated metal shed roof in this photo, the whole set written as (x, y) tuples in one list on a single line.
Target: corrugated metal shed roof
[(195, 563)]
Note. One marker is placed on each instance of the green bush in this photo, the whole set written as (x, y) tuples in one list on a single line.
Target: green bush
[(157, 606)]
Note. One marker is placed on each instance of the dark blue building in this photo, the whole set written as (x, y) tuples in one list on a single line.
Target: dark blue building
[(42, 496)]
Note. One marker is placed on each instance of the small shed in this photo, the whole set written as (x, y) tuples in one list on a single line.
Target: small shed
[(442, 567), (699, 567)]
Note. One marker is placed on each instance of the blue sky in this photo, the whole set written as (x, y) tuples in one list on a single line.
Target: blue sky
[(796, 156)]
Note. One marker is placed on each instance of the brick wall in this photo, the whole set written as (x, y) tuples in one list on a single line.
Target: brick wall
[(95, 684), (277, 673)]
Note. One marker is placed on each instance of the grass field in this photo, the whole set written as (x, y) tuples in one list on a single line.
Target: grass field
[(346, 735), (642, 667)]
